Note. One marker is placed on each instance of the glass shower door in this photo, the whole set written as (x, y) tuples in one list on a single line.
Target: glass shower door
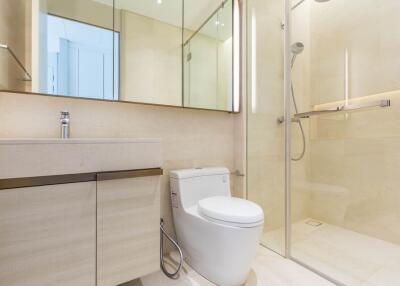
[(344, 199), (345, 190), (265, 136)]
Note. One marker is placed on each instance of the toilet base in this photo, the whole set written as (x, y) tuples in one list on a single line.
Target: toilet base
[(222, 254)]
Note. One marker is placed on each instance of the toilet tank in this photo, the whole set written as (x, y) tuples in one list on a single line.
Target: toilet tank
[(191, 185)]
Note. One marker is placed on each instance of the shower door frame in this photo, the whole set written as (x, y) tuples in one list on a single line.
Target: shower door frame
[(287, 78)]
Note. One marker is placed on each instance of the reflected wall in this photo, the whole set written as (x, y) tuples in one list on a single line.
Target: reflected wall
[(15, 13), (208, 59), (151, 51)]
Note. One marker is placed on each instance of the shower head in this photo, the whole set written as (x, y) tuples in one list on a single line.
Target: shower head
[(297, 48)]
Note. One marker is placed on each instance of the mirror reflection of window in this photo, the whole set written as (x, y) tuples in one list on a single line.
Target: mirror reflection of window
[(79, 59)]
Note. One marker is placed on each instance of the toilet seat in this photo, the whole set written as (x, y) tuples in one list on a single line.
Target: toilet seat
[(231, 211)]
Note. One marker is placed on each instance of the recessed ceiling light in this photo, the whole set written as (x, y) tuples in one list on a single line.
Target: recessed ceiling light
[(159, 1)]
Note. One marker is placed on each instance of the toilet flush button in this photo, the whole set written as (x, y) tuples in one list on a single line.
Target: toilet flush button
[(224, 179)]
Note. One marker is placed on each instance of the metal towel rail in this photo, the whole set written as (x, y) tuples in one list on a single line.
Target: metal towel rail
[(11, 52), (346, 107)]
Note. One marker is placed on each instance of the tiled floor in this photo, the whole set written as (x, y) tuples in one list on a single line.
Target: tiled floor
[(269, 269), (350, 257)]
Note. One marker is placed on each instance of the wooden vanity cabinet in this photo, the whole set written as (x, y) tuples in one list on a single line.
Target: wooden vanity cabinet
[(48, 235), (79, 212), (80, 234), (128, 213)]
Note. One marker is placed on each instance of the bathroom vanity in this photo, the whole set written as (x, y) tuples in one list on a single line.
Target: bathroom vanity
[(79, 211)]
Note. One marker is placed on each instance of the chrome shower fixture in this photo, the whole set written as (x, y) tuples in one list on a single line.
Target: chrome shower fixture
[(296, 49)]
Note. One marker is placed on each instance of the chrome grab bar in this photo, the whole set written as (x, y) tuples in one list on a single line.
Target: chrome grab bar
[(348, 107), (28, 75)]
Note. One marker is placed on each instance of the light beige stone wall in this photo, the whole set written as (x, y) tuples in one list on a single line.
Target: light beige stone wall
[(354, 158)]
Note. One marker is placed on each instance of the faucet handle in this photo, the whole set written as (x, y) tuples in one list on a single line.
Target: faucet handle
[(64, 114), (64, 124)]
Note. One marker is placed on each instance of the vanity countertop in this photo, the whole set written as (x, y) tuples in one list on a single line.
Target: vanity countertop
[(23, 158)]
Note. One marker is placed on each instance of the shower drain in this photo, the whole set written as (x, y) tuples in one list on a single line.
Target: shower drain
[(314, 223)]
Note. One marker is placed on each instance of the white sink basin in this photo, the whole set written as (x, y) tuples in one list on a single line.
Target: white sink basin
[(46, 157)]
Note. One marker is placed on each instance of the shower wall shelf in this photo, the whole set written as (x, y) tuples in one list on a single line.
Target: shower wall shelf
[(14, 56), (345, 107)]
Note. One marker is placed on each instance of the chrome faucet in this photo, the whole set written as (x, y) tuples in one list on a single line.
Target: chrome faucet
[(64, 124)]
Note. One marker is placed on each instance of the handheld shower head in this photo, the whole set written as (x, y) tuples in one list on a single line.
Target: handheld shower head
[(297, 48)]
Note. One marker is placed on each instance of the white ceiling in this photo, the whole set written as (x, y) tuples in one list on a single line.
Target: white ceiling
[(170, 11), (220, 25), (197, 11)]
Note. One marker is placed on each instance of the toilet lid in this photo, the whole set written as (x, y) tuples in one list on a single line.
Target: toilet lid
[(228, 209)]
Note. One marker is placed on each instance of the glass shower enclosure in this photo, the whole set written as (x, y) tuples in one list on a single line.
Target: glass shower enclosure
[(323, 130)]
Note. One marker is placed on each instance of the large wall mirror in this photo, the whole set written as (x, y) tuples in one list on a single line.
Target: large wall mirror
[(167, 52), (210, 54)]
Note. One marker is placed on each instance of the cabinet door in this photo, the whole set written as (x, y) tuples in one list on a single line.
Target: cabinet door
[(48, 235), (128, 229)]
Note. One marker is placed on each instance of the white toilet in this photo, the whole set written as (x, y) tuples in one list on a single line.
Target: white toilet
[(219, 235)]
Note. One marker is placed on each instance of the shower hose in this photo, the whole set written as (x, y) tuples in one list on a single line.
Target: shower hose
[(298, 158), (163, 233)]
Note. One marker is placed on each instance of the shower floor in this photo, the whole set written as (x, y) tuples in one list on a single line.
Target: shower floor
[(347, 256)]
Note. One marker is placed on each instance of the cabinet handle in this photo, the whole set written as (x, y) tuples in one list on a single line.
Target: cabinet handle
[(26, 182)]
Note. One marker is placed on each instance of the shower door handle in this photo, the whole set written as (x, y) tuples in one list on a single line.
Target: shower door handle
[(348, 107)]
